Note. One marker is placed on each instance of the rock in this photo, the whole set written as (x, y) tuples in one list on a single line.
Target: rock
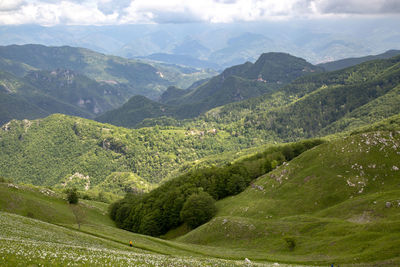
[(388, 204)]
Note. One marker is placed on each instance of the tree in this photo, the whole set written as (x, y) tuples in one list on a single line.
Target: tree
[(79, 214), (72, 196), (198, 209)]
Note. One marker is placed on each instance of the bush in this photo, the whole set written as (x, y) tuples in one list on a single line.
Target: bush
[(290, 242), (198, 209), (72, 196)]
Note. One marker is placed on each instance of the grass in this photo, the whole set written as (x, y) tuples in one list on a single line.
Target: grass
[(40, 229), (331, 201), (25, 241)]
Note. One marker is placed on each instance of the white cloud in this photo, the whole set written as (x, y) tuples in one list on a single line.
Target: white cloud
[(60, 12), (50, 12), (9, 5)]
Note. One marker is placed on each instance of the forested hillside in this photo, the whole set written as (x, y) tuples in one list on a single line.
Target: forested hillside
[(70, 151), (314, 105), (22, 100)]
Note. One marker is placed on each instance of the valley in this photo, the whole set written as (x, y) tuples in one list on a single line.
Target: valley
[(274, 163)]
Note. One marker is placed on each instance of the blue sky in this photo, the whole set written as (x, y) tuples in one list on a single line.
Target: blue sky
[(112, 12)]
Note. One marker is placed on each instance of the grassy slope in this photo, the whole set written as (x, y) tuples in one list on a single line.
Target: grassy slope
[(50, 236), (330, 200)]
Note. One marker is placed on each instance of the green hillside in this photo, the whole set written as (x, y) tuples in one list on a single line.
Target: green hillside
[(314, 105), (135, 111), (337, 203), (12, 106), (77, 90), (270, 72), (60, 149), (22, 100)]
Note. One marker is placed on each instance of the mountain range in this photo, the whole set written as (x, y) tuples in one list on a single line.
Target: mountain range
[(80, 82), (220, 45), (270, 72)]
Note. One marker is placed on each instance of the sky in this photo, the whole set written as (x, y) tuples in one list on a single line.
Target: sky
[(117, 12)]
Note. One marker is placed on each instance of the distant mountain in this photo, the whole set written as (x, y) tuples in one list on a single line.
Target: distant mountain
[(136, 110), (22, 100), (172, 93), (349, 62), (16, 107), (148, 79), (224, 44), (185, 60), (191, 47), (318, 104), (245, 47), (80, 82), (269, 72), (78, 90)]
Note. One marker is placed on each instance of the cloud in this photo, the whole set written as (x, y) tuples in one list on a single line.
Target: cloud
[(57, 12), (100, 12), (371, 7), (10, 5)]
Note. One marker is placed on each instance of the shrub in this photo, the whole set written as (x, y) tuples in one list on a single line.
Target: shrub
[(290, 242), (72, 196), (198, 209)]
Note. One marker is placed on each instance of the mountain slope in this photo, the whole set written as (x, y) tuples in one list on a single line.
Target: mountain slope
[(77, 90), (306, 106), (22, 100), (185, 60), (269, 72), (349, 62), (136, 110), (141, 78), (14, 107), (335, 203)]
